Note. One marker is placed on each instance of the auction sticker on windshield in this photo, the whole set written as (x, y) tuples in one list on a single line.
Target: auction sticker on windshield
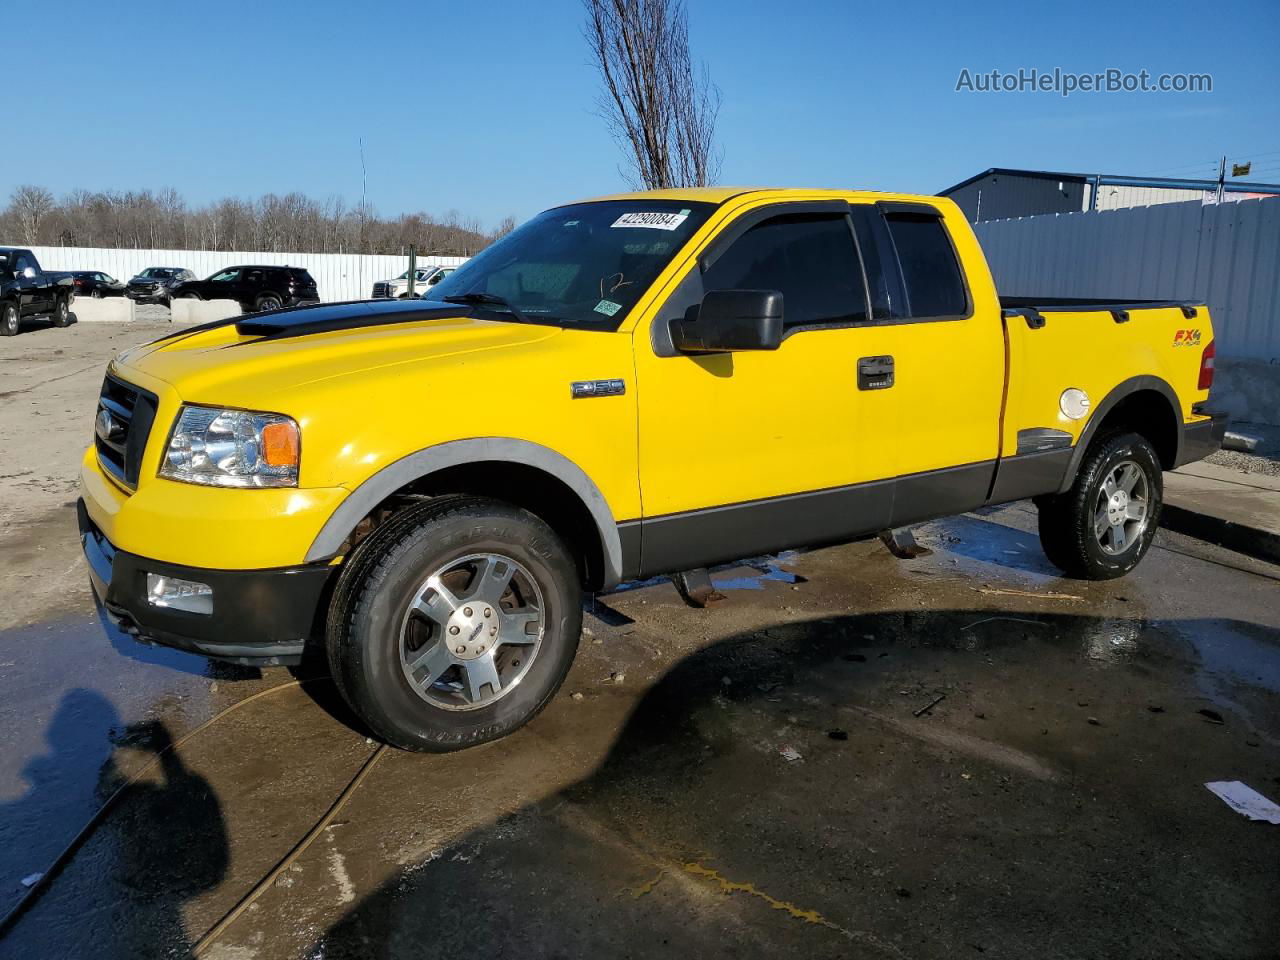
[(655, 221)]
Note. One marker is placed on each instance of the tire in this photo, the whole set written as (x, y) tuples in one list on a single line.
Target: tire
[(268, 301), (9, 320), (418, 679), (1092, 532), (62, 312), (95, 294), (192, 295)]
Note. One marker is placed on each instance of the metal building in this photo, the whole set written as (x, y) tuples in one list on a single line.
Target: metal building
[(1003, 194)]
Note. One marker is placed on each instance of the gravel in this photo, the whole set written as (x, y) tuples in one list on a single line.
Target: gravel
[(1264, 460)]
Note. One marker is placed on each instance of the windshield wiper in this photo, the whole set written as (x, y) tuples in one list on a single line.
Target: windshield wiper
[(489, 300)]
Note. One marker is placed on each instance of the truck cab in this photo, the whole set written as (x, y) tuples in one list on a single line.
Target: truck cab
[(643, 384)]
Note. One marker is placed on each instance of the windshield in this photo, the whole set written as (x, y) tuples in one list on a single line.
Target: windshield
[(158, 273), (583, 265)]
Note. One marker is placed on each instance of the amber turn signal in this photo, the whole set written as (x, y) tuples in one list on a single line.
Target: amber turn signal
[(280, 444)]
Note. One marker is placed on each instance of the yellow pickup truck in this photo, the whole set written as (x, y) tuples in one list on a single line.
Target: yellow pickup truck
[(641, 384)]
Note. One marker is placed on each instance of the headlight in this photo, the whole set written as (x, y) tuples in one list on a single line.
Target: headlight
[(232, 448)]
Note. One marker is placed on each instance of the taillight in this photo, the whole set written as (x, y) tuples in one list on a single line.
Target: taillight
[(1206, 367), (77, 281)]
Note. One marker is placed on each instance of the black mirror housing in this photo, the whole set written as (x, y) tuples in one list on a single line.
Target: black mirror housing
[(730, 320)]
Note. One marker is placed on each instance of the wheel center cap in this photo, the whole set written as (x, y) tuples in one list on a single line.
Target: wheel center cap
[(472, 631), (1117, 506)]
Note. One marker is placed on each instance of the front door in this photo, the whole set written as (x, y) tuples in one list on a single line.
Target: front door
[(754, 451), (33, 292)]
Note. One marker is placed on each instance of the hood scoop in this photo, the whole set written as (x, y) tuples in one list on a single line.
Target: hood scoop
[(325, 318)]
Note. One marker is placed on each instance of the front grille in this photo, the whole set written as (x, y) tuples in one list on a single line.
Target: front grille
[(121, 427), (382, 289)]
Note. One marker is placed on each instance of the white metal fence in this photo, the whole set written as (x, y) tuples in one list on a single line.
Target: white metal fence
[(1227, 255), (339, 276)]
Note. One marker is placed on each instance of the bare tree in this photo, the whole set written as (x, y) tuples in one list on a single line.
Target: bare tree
[(658, 107), (292, 222), (31, 204)]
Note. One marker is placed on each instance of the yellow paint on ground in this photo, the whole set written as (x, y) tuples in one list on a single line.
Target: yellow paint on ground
[(728, 887), (641, 890)]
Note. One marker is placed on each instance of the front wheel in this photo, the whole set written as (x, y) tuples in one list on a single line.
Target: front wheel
[(9, 321), (454, 623), (62, 312), (1104, 525)]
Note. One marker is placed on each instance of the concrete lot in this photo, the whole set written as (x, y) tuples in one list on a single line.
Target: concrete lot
[(1050, 805)]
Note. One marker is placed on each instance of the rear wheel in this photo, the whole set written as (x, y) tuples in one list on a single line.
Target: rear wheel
[(191, 295), (9, 322), (62, 312), (1104, 525), (95, 294), (268, 301), (454, 623)]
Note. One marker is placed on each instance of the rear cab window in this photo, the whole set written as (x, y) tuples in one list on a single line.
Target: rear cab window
[(912, 267), (934, 286)]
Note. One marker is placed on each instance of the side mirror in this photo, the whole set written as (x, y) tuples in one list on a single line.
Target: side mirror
[(732, 320), (29, 273)]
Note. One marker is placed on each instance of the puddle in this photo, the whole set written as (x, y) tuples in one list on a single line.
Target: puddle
[(990, 542), (73, 693), (768, 569)]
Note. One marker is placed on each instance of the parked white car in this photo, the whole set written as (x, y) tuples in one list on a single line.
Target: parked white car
[(399, 287)]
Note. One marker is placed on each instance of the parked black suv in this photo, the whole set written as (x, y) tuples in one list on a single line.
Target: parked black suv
[(154, 283), (254, 288)]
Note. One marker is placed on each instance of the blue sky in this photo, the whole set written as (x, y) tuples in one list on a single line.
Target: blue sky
[(488, 107)]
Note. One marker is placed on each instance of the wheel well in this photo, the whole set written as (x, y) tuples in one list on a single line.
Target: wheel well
[(1149, 414), (520, 485)]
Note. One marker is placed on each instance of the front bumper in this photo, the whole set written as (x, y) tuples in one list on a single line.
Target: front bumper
[(259, 617), (1201, 438)]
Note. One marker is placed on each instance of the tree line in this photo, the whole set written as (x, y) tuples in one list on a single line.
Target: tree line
[(290, 223)]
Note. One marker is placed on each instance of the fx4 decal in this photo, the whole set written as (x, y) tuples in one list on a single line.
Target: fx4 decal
[(1186, 338)]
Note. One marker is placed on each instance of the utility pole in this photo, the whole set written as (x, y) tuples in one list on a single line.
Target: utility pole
[(1222, 178), (413, 270)]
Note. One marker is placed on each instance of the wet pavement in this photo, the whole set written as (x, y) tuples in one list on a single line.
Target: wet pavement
[(1050, 804)]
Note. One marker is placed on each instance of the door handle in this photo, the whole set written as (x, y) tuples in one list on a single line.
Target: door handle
[(875, 373)]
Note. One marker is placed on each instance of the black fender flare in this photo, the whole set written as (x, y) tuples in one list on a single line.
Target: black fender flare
[(422, 463), (1099, 413)]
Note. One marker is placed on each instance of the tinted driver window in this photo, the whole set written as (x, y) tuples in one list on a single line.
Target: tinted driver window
[(809, 258), (929, 269)]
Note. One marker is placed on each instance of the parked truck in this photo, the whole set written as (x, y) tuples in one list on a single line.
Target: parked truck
[(632, 386), (423, 279), (27, 291)]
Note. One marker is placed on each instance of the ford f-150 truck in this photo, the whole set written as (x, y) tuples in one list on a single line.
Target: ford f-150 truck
[(637, 385), (27, 291)]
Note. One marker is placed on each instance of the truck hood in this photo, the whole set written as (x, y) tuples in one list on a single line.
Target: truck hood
[(240, 362)]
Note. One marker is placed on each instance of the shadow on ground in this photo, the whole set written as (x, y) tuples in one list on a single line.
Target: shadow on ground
[(1048, 807), (164, 844)]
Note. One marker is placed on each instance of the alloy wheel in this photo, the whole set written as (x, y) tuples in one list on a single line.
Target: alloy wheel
[(1122, 508), (471, 632)]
